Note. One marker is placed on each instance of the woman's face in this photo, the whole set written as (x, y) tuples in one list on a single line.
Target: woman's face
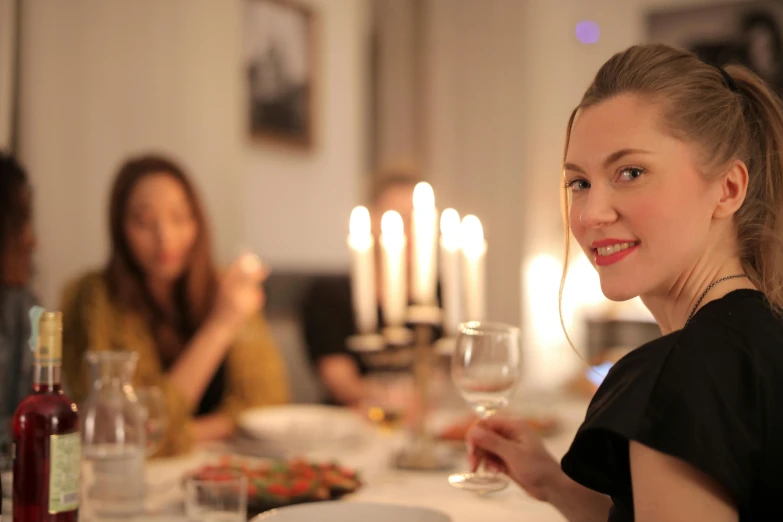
[(160, 227), (18, 263), (640, 208)]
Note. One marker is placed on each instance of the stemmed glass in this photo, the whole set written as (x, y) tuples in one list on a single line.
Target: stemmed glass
[(485, 369)]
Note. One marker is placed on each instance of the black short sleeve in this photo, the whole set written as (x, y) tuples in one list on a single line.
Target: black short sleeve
[(696, 394), (706, 408)]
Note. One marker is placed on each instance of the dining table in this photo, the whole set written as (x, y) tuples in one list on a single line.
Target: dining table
[(383, 482)]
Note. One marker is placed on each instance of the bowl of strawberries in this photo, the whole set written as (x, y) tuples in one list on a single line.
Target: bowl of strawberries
[(278, 483)]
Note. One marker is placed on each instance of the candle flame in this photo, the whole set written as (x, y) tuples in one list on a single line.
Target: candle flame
[(360, 222), (391, 225), (472, 236), (450, 229), (423, 196)]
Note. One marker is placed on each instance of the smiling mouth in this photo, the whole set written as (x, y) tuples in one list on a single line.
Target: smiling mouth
[(613, 249)]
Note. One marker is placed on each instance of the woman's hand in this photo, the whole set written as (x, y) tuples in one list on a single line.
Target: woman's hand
[(510, 446), (240, 294)]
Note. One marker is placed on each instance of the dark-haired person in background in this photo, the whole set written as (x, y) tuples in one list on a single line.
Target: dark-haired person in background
[(200, 336), (759, 47), (763, 48), (17, 243)]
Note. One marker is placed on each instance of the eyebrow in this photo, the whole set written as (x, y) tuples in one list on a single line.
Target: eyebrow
[(611, 158)]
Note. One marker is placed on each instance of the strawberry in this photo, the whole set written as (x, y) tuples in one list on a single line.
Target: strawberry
[(301, 486), (279, 490)]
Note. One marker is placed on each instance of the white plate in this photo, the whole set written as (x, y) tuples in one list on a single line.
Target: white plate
[(305, 427), (352, 512)]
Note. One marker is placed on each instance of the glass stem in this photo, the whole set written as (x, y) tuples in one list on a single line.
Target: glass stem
[(482, 465), (482, 470)]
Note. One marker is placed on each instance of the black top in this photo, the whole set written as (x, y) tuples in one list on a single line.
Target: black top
[(213, 395), (710, 394), (328, 319)]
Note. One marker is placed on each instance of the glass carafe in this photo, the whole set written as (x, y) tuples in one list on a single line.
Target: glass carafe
[(113, 440)]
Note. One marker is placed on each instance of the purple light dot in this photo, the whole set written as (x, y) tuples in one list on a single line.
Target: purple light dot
[(587, 32)]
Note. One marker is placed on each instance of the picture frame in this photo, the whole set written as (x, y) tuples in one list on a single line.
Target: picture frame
[(748, 33), (280, 72)]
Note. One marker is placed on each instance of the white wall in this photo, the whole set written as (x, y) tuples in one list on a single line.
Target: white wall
[(398, 136), (7, 38), (474, 129), (296, 206), (101, 80), (503, 78)]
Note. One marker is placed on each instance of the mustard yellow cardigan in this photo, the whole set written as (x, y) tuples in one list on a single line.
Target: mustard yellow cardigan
[(255, 374)]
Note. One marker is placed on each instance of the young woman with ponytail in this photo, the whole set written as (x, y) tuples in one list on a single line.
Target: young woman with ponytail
[(674, 189)]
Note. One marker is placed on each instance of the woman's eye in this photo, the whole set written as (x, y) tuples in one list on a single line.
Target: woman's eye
[(631, 173), (143, 221), (577, 185)]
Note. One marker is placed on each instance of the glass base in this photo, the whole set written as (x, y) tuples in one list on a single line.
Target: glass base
[(423, 456), (478, 482)]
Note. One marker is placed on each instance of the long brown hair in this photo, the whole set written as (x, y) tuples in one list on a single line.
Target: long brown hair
[(740, 118), (14, 211), (195, 290)]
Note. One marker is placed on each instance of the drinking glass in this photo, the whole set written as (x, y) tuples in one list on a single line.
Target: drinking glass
[(485, 369), (218, 495), (388, 399), (154, 403)]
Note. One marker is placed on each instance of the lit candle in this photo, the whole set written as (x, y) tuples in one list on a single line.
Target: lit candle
[(424, 231), (450, 244), (393, 264), (361, 243), (474, 250)]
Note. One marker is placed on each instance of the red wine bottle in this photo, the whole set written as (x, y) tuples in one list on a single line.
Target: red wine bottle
[(47, 443)]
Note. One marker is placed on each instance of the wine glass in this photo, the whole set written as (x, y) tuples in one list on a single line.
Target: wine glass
[(485, 368), (153, 401)]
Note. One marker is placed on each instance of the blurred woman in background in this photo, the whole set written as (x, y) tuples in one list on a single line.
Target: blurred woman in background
[(17, 243), (200, 337)]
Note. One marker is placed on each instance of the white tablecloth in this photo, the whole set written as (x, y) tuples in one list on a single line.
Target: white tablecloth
[(383, 483)]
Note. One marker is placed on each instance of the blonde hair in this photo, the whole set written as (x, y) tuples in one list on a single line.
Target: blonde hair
[(743, 121)]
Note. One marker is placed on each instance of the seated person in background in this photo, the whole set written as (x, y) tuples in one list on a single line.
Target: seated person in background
[(200, 337), (327, 311), (17, 242)]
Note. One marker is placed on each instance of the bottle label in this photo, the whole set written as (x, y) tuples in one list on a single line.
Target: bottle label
[(64, 463)]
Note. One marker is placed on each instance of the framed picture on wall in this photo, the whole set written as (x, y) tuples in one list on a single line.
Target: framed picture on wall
[(740, 32), (279, 43)]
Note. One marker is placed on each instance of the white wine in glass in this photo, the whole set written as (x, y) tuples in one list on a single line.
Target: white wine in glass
[(485, 369)]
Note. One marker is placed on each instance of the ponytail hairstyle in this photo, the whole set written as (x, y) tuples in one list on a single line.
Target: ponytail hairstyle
[(728, 114)]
